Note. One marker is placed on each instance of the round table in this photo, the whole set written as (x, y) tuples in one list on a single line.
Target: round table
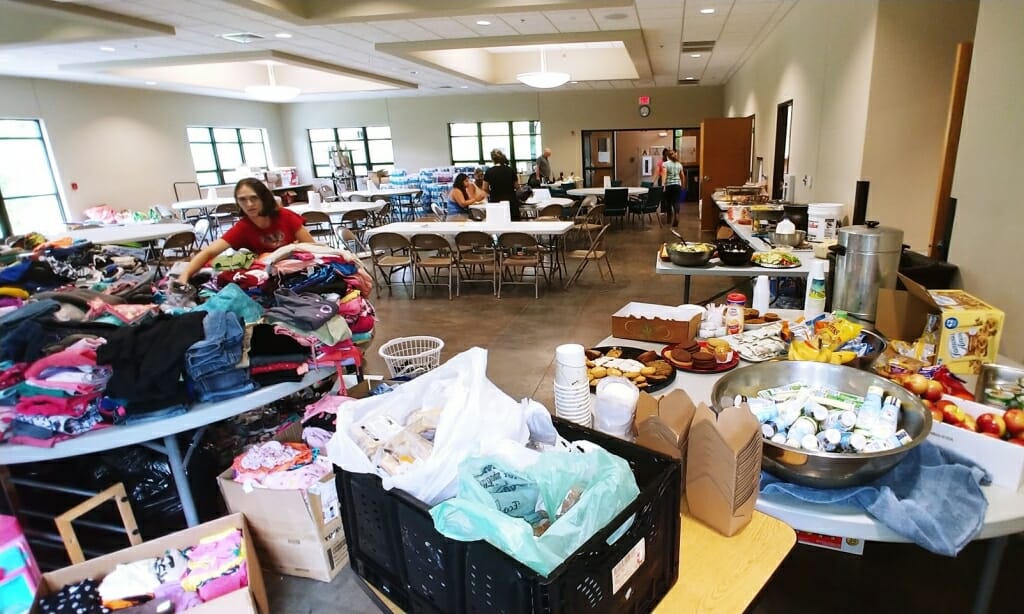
[(554, 200), (1004, 517), (600, 191)]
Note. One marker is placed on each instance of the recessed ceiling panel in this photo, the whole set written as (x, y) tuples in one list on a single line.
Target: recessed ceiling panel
[(39, 22), (309, 12)]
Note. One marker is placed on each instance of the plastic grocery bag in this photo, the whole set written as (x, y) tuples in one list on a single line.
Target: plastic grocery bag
[(508, 480), (475, 415)]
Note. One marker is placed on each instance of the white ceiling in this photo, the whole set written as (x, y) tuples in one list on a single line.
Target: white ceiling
[(737, 27)]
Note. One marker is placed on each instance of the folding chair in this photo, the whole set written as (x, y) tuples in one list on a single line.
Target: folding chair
[(475, 249), (392, 251), (356, 220), (518, 250), (182, 242), (431, 251), (596, 253), (616, 203), (320, 226), (647, 205)]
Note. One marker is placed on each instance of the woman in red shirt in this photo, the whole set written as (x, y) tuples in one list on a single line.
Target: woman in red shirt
[(265, 227)]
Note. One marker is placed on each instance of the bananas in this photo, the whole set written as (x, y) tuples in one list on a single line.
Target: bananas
[(818, 352)]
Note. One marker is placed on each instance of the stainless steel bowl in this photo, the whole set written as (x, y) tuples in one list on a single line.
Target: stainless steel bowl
[(790, 239), (878, 345), (825, 469)]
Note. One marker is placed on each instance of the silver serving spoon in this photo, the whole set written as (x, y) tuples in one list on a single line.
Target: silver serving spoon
[(679, 236)]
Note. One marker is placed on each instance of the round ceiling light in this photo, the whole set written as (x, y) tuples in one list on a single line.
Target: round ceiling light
[(543, 80), (483, 22)]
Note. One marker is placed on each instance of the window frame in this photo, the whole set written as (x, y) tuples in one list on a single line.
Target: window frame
[(213, 142), (364, 137), (536, 131), (6, 229)]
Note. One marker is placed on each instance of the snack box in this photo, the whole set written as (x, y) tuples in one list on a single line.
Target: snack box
[(249, 600), (657, 323), (297, 532), (969, 328), (1004, 461)]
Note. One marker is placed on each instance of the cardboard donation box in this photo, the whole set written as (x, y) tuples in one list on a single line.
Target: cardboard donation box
[(297, 532), (249, 600), (969, 328), (664, 425), (723, 468), (657, 323)]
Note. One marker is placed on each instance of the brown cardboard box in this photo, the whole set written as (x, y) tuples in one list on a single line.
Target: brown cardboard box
[(723, 469), (969, 328), (655, 323), (664, 424), (298, 533), (252, 600)]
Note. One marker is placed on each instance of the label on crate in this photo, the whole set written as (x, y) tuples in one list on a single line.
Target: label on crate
[(625, 568), (831, 542)]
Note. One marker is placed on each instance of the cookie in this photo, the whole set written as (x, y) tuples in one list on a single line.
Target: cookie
[(714, 343), (750, 314), (704, 360), (771, 317), (692, 348)]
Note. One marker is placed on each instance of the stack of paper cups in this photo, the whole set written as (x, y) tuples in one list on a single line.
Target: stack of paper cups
[(314, 199), (615, 407), (572, 387)]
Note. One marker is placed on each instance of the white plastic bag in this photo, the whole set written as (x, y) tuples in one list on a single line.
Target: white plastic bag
[(475, 415)]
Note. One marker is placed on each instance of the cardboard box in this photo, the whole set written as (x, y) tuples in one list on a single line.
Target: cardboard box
[(664, 425), (1004, 461), (723, 468), (297, 532), (657, 323), (969, 328), (251, 600)]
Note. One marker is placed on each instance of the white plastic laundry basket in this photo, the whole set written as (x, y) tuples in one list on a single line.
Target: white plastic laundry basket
[(411, 356)]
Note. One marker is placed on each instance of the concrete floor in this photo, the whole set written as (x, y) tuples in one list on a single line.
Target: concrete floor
[(521, 332)]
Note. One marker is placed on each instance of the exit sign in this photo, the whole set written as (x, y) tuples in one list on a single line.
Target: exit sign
[(643, 100)]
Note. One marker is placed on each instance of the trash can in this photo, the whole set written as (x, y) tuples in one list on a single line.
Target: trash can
[(931, 273)]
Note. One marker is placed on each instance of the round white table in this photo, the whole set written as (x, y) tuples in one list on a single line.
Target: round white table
[(338, 208), (1004, 517), (600, 191), (554, 200)]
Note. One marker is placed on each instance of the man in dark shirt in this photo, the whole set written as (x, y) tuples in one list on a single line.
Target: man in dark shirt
[(501, 182), (543, 168)]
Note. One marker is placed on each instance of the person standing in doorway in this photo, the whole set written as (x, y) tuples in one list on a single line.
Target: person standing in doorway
[(543, 168), (671, 173)]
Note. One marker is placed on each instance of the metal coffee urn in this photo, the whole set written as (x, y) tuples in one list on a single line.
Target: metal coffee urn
[(865, 259)]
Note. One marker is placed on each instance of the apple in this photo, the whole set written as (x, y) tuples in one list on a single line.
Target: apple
[(936, 414), (1017, 440), (934, 391), (992, 435), (927, 403), (970, 423), (952, 414), (991, 424), (942, 403), (917, 383), (1014, 421)]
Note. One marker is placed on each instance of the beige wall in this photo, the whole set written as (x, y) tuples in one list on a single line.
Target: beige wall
[(629, 148), (124, 146), (987, 233), (419, 125), (819, 57), (915, 49)]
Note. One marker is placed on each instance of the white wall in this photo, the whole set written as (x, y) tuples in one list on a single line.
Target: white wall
[(915, 50), (986, 241), (419, 125), (819, 57), (124, 146)]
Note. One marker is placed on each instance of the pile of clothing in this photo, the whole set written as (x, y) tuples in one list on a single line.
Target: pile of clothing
[(281, 466), (76, 356), (185, 578)]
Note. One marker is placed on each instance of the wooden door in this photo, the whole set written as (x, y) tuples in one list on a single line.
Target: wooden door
[(724, 161)]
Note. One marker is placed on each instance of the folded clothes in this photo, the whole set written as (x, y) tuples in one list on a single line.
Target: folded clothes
[(333, 331), (933, 497), (262, 459), (47, 405), (79, 598), (142, 577), (272, 359), (306, 312), (296, 367), (216, 564), (299, 478)]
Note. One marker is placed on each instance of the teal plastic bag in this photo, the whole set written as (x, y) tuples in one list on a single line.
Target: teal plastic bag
[(487, 483)]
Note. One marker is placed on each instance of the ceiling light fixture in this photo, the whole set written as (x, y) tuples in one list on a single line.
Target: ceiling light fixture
[(691, 78), (283, 35), (272, 92), (108, 49), (695, 55), (150, 82), (707, 11), (543, 80), (483, 22)]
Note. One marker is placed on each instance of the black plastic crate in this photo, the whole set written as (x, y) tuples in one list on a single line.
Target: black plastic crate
[(392, 544)]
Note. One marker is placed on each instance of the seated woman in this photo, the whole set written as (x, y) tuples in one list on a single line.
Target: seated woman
[(265, 227), (463, 194)]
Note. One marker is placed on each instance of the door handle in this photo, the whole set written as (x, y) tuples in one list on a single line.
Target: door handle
[(706, 178)]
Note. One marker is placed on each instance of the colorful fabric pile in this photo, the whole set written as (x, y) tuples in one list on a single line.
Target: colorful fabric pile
[(281, 466)]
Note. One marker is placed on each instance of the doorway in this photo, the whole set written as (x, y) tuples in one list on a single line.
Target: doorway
[(631, 156), (783, 137)]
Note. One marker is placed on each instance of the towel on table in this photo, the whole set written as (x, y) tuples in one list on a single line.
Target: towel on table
[(932, 497)]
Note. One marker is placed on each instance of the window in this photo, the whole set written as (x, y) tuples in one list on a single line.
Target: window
[(471, 143), (217, 152), (29, 201), (370, 148)]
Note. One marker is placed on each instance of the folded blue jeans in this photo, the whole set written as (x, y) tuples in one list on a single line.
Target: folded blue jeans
[(220, 350), (224, 395), (228, 379)]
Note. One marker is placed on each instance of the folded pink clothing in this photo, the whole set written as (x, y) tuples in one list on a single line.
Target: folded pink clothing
[(76, 355), (362, 324), (45, 405), (316, 437), (299, 478), (328, 404), (13, 375), (290, 265), (127, 313), (69, 387), (227, 583)]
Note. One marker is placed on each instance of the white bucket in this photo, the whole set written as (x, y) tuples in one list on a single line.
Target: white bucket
[(823, 221)]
